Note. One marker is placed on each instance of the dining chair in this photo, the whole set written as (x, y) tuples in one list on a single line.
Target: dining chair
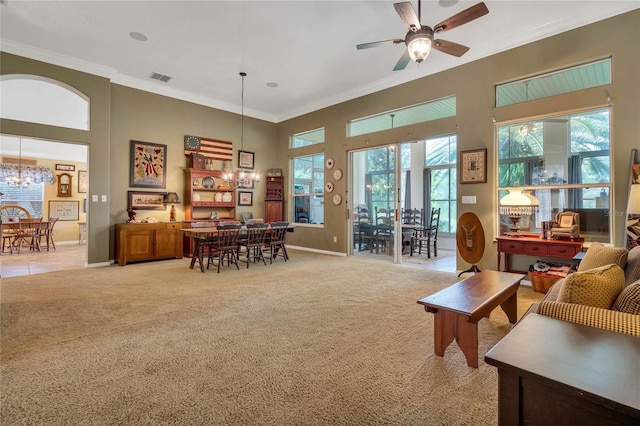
[(29, 234), (47, 232), (428, 236), (274, 241), (203, 244), (253, 243), (226, 247), (8, 232), (384, 238)]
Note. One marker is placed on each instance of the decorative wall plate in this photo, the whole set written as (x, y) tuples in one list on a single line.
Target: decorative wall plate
[(329, 163), (328, 187), (337, 174), (337, 199), (208, 182)]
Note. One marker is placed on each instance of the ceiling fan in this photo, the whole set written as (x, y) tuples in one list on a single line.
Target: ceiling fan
[(419, 39)]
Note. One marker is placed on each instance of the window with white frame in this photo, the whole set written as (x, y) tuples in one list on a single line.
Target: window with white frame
[(565, 162), (440, 161), (311, 137), (308, 189), (31, 198)]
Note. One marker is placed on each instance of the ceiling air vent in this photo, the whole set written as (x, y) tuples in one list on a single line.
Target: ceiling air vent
[(161, 77)]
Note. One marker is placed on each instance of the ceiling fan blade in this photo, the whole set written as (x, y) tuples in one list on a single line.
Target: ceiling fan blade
[(403, 61), (378, 43), (467, 15), (449, 47), (408, 15)]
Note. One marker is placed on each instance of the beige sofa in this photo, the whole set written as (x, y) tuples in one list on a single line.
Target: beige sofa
[(603, 293)]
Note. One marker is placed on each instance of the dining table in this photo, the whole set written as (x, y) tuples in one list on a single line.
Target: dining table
[(201, 233), (11, 228)]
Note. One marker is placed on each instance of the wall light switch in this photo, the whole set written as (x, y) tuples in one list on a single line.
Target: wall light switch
[(94, 198), (104, 198), (468, 199)]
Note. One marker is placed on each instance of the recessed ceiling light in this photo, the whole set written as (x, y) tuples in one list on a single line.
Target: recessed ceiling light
[(272, 84), (137, 36)]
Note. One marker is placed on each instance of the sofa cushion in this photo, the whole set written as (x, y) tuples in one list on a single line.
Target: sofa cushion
[(629, 300), (598, 255), (632, 270), (597, 287)]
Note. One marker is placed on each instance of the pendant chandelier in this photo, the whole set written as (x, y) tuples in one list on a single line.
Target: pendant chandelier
[(244, 179), (22, 176)]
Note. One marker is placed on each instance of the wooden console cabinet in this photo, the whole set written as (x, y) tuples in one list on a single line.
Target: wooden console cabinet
[(553, 372), (530, 246), (147, 241)]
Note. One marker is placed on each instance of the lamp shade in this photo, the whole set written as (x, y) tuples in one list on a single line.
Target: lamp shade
[(171, 198), (518, 202)]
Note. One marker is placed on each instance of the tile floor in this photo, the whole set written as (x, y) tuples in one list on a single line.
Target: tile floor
[(66, 256), (73, 256)]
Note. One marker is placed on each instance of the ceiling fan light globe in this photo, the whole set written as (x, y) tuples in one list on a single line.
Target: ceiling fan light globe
[(419, 48)]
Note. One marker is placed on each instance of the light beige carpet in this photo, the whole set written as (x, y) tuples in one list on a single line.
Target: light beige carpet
[(317, 340)]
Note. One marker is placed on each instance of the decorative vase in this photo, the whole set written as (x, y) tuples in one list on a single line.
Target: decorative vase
[(227, 197), (218, 197), (196, 197)]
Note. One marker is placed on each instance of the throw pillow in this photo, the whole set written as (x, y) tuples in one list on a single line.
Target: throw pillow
[(598, 255), (632, 270), (597, 287), (629, 299)]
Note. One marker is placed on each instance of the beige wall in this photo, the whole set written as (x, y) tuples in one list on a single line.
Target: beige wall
[(120, 114), (473, 85)]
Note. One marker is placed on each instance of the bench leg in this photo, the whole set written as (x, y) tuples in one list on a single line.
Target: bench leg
[(510, 307), (449, 326)]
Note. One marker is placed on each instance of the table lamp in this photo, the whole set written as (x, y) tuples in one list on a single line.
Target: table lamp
[(173, 199), (515, 204)]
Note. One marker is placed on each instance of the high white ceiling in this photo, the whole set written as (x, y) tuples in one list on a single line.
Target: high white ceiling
[(307, 47)]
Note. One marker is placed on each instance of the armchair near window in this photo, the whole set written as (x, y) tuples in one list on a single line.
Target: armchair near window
[(567, 225)]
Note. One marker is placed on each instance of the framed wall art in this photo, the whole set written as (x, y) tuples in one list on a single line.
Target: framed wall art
[(141, 200), (64, 210), (245, 198), (66, 167), (473, 166), (82, 181), (148, 162), (246, 160)]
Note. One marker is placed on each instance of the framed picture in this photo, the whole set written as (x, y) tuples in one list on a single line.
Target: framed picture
[(473, 166), (66, 167), (140, 200), (148, 162), (64, 210), (245, 198), (82, 181), (246, 160)]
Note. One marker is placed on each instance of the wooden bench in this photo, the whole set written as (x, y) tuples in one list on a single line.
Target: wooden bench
[(459, 307)]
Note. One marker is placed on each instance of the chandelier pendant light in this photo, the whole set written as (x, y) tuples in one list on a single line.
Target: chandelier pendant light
[(22, 176), (243, 179)]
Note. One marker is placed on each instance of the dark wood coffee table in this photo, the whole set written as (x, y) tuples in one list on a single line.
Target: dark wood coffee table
[(459, 307)]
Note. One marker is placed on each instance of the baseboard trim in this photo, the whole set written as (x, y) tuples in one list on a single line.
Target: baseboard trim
[(312, 250)]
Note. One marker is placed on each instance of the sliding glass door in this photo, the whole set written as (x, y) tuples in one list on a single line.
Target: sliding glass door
[(374, 199)]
